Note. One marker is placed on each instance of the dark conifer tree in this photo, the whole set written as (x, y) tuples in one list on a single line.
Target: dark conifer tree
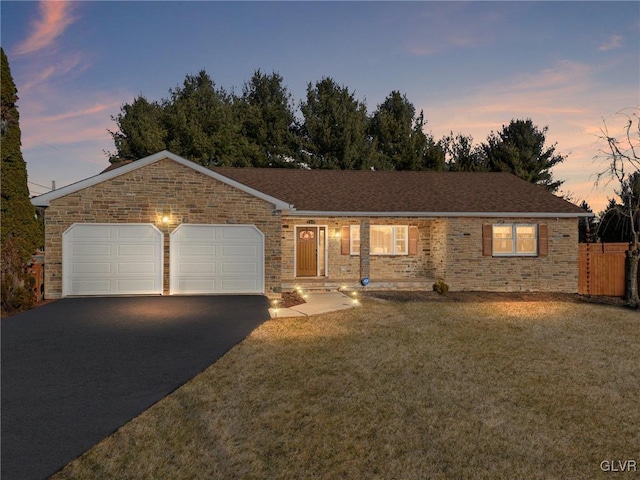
[(19, 230), (519, 148)]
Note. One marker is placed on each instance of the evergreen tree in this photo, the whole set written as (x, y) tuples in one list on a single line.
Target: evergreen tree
[(587, 226), (519, 149), (267, 120), (462, 155), (392, 132), (198, 121), (432, 154), (19, 230), (399, 138), (616, 220), (142, 130), (334, 132), (203, 125)]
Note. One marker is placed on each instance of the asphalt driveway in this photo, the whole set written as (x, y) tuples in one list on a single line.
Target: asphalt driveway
[(75, 370)]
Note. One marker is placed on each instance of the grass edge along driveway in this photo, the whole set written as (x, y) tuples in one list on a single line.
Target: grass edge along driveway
[(400, 390)]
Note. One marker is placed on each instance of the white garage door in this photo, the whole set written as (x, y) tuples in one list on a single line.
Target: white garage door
[(112, 259), (216, 259)]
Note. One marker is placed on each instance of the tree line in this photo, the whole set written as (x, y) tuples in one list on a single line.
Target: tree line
[(620, 218), (259, 128)]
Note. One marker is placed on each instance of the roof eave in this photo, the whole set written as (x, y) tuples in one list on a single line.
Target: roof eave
[(45, 199), (326, 213)]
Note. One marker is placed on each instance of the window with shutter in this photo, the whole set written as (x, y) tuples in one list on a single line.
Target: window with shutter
[(413, 240), (514, 240), (543, 240), (383, 240), (345, 240)]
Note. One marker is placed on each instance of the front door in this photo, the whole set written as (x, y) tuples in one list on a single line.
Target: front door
[(307, 251)]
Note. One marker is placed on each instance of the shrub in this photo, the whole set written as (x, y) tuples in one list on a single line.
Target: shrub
[(17, 284), (441, 287)]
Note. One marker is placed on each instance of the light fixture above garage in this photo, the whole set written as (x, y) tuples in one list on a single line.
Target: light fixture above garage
[(165, 216)]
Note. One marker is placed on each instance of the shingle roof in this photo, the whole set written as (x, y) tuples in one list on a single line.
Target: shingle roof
[(115, 165), (401, 191), (367, 192)]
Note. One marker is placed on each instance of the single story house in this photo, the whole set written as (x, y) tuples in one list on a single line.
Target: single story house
[(166, 225)]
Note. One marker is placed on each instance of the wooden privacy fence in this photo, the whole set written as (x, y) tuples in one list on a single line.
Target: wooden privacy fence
[(36, 270), (601, 268)]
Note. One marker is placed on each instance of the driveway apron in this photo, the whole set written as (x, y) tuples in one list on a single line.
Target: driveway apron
[(77, 369)]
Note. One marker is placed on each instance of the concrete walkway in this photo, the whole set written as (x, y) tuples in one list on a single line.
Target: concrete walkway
[(317, 303)]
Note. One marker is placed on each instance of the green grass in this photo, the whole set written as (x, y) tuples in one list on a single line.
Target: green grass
[(414, 390)]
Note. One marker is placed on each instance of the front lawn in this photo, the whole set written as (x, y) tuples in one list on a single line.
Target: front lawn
[(391, 390)]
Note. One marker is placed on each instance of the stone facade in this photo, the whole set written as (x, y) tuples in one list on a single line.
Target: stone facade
[(144, 196), (447, 248), (467, 269), (349, 269)]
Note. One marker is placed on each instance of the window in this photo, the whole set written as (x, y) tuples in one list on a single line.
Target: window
[(383, 240), (515, 240), (355, 239)]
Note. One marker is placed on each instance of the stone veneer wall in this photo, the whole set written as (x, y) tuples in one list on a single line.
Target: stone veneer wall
[(447, 248), (143, 195), (468, 269), (347, 267), (439, 248)]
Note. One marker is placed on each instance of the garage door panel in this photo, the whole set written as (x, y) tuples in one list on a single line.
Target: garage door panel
[(194, 235), (136, 268), (90, 251), (216, 259), (241, 234), (135, 285), (138, 250), (232, 285), (138, 232), (193, 285), (112, 259), (91, 268), (90, 287), (237, 268), (196, 268), (192, 250), (100, 232), (240, 251)]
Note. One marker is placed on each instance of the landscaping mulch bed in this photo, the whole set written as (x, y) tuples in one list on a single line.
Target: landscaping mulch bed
[(291, 299), (430, 296)]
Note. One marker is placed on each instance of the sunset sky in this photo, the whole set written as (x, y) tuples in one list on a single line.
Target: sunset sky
[(471, 66)]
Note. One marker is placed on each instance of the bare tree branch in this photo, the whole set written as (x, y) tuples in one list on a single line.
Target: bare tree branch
[(621, 161)]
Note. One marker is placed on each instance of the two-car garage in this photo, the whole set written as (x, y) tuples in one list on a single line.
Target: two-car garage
[(128, 259)]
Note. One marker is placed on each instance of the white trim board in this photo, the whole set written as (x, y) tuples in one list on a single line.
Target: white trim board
[(45, 199)]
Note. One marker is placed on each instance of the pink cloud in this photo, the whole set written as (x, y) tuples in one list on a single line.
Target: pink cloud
[(564, 74), (566, 97), (55, 17), (444, 28), (85, 123), (615, 41), (38, 80), (98, 108)]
